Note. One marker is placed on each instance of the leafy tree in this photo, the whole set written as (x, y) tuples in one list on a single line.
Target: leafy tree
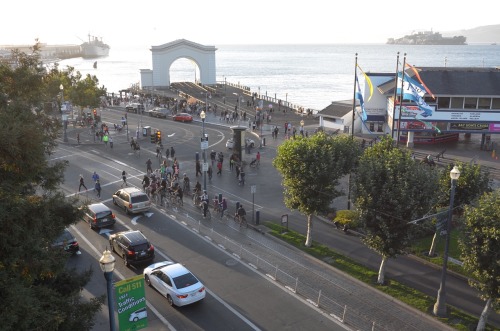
[(390, 190), (481, 250), (311, 168), (37, 292), (471, 184)]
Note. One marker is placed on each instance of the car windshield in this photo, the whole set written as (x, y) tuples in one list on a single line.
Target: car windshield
[(185, 280)]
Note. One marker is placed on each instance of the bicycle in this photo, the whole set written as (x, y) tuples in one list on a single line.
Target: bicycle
[(186, 188), (208, 213), (196, 199), (241, 220)]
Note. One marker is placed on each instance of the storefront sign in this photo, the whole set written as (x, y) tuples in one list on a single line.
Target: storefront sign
[(469, 126)]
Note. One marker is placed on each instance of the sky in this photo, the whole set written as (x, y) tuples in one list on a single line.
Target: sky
[(229, 22)]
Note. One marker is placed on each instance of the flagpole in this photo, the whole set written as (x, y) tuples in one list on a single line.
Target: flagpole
[(401, 99), (395, 98), (352, 129), (354, 95)]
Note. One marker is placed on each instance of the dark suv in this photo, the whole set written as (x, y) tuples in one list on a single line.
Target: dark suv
[(132, 246), (66, 241), (98, 215)]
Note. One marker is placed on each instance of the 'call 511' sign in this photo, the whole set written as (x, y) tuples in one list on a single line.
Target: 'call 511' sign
[(131, 302)]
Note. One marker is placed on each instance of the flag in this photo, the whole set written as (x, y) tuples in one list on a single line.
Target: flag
[(420, 80), (368, 81), (414, 91), (359, 96)]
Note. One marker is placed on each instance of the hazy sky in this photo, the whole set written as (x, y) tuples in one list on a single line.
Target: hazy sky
[(219, 22)]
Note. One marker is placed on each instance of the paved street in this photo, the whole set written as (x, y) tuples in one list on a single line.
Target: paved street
[(314, 280)]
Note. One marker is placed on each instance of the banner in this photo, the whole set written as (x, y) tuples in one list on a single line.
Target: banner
[(131, 302)]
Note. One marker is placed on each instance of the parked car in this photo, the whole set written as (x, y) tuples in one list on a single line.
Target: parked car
[(138, 315), (132, 200), (98, 215), (175, 282), (135, 107), (183, 117), (67, 242), (230, 143), (132, 246), (159, 112)]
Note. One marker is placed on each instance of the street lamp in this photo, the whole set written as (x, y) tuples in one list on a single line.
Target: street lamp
[(440, 305), (204, 146), (64, 116), (107, 262)]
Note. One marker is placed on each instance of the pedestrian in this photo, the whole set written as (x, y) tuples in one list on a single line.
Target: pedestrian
[(82, 183), (97, 188), (198, 168), (78, 138), (219, 168), (238, 171), (124, 177), (231, 162), (95, 177), (149, 169), (105, 138), (110, 142), (167, 153), (172, 152), (158, 150), (258, 158), (223, 207), (242, 177), (209, 172)]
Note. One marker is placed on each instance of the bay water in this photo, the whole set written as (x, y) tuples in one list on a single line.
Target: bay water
[(311, 76)]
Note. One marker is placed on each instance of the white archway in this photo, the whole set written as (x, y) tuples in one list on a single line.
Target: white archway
[(165, 55)]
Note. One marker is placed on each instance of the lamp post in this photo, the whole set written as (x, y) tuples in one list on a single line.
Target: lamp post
[(204, 146), (64, 116), (440, 305), (107, 262)]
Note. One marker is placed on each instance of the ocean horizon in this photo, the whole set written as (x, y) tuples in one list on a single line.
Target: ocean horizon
[(308, 75)]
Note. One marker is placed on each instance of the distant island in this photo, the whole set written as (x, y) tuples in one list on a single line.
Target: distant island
[(428, 38)]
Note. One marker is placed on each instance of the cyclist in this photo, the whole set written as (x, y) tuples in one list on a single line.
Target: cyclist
[(145, 182), (241, 214), (148, 166), (223, 207), (197, 188)]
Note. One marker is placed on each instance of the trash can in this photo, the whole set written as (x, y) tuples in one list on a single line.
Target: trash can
[(146, 131)]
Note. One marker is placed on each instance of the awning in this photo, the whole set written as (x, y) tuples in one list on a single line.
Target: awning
[(375, 118)]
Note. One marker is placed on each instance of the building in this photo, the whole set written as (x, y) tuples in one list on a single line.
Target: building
[(466, 101)]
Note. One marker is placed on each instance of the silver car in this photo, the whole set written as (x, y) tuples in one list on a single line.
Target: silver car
[(132, 200)]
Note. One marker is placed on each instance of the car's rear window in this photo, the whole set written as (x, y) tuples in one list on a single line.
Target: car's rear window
[(140, 198), (103, 214), (185, 280), (141, 247)]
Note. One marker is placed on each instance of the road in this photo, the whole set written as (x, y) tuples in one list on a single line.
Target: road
[(239, 297)]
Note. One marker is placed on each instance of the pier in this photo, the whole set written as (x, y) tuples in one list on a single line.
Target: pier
[(60, 52)]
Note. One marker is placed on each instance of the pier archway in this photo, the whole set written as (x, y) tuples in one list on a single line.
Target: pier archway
[(165, 55)]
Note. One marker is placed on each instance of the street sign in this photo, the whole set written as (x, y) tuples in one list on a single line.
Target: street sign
[(131, 301), (204, 145), (205, 166), (253, 189)]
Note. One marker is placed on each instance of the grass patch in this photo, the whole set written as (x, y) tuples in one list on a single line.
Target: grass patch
[(456, 319)]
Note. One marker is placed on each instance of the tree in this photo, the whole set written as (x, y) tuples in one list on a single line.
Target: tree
[(391, 190), (37, 292), (311, 168), (480, 246)]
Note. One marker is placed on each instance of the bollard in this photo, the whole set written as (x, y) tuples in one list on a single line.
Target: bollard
[(220, 197), (264, 141), (257, 217)]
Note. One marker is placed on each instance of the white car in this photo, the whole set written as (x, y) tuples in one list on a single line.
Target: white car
[(230, 143), (175, 282)]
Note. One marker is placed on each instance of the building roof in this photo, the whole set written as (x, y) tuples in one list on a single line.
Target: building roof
[(338, 108), (459, 81)]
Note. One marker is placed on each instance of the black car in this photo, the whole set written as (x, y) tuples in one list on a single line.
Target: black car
[(98, 215), (132, 246), (67, 242)]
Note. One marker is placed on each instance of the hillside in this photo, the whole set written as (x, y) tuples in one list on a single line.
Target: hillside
[(481, 35)]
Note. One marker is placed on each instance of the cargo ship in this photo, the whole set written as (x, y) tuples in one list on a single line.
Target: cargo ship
[(93, 48), (428, 38)]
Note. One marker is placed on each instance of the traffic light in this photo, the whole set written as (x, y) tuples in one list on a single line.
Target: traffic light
[(153, 138), (158, 136)]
